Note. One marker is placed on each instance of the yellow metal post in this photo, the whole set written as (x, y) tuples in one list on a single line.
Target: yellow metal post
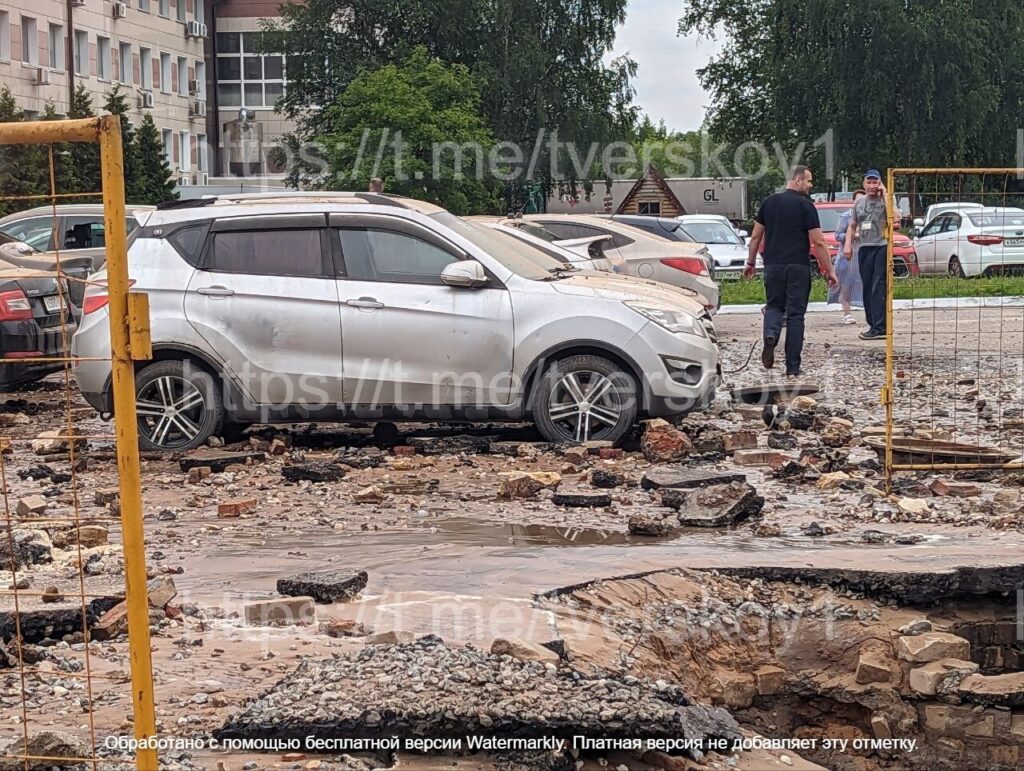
[(887, 391), (126, 428)]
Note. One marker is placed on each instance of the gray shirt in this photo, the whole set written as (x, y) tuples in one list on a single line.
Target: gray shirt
[(869, 220)]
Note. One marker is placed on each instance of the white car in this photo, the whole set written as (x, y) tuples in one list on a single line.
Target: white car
[(645, 255), (973, 242), (583, 253), (717, 234), (941, 208)]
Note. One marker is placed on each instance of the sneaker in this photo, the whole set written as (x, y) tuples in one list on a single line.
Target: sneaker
[(793, 373), (848, 319), (872, 335), (768, 353)]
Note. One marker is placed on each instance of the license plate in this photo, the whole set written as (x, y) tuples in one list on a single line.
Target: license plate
[(52, 303), (1014, 243)]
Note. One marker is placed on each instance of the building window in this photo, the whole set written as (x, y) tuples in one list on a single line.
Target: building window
[(144, 5), (650, 208), (164, 8), (103, 64), (182, 76), (56, 44), (201, 152), (246, 77), (5, 36), (184, 151), (180, 9), (201, 80), (29, 41), (165, 73), (146, 68), (168, 138), (124, 62), (81, 52), (198, 13)]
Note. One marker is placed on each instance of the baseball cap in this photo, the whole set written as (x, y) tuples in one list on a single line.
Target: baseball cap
[(872, 174)]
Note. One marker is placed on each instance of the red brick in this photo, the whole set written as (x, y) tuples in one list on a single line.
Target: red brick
[(611, 453), (404, 449), (236, 508), (954, 489)]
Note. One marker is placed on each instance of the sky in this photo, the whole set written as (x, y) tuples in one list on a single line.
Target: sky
[(666, 83)]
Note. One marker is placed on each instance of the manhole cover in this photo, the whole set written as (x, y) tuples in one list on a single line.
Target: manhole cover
[(772, 393)]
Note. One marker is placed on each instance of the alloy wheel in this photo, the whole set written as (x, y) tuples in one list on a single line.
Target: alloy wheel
[(585, 404), (170, 411)]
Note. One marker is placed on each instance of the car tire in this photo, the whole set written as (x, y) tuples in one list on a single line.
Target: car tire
[(558, 393), (956, 270), (201, 411)]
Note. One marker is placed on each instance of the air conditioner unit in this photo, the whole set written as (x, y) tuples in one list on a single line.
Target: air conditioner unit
[(146, 100), (192, 29), (78, 3), (184, 181), (202, 30), (202, 178), (120, 10), (197, 109), (193, 87), (42, 76)]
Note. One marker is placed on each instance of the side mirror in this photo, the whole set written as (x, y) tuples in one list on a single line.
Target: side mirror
[(465, 273), (914, 232), (918, 222)]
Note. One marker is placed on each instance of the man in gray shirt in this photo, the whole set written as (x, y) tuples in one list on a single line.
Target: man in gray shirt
[(869, 226)]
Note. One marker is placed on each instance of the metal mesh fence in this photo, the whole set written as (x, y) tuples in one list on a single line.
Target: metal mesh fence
[(72, 559), (955, 363)]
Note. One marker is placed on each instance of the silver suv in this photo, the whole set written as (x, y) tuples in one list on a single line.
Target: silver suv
[(352, 306)]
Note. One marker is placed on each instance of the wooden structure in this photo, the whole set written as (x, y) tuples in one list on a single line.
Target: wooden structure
[(651, 196)]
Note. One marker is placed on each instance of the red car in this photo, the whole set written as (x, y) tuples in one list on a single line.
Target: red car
[(903, 254)]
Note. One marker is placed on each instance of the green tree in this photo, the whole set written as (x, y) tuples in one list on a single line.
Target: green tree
[(22, 167), (155, 178), (911, 83), (134, 184), (65, 174), (85, 155), (540, 64), (423, 104)]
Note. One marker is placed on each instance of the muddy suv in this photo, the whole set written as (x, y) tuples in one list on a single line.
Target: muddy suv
[(329, 307)]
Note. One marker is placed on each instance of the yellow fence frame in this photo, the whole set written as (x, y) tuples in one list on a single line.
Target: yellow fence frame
[(890, 352), (106, 132)]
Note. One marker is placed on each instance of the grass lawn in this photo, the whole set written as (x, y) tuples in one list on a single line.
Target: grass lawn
[(752, 292)]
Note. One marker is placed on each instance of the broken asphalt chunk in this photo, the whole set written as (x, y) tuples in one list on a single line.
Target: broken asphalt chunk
[(582, 500), (313, 472), (686, 478), (716, 506), (218, 462), (325, 587)]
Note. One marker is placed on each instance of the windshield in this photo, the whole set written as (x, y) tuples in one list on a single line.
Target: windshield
[(506, 249), (830, 218), (998, 219), (536, 231), (711, 233), (12, 245), (523, 236)]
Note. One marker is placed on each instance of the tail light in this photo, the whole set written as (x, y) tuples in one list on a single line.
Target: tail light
[(14, 306), (95, 302), (985, 240), (694, 265)]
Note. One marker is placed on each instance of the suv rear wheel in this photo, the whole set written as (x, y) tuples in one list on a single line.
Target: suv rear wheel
[(177, 404), (585, 398)]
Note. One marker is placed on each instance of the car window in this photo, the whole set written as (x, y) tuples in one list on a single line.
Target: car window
[(268, 253), (714, 233), (952, 223), (372, 254), (83, 232), (1004, 219), (37, 232), (569, 231), (933, 227)]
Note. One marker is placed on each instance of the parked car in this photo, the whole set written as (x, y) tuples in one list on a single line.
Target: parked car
[(78, 229), (973, 242), (645, 255), (941, 208), (664, 227), (583, 253), (727, 249), (327, 307), (74, 269), (904, 254), (686, 297), (35, 322)]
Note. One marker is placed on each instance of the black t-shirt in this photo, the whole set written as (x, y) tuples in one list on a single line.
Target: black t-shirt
[(787, 218)]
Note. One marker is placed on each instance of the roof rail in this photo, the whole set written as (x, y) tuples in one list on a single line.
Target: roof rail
[(186, 203)]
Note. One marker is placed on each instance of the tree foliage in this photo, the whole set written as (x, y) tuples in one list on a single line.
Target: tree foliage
[(539, 63), (156, 182), (412, 109), (134, 184), (909, 83)]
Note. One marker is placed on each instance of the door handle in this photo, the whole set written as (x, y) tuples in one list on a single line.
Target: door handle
[(215, 291), (365, 302)]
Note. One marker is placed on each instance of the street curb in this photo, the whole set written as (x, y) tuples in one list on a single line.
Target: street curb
[(933, 303)]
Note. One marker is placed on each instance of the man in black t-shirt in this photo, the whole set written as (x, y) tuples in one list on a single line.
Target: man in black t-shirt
[(787, 222)]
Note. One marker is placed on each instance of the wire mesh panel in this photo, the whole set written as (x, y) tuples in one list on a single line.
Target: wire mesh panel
[(955, 396), (72, 564)]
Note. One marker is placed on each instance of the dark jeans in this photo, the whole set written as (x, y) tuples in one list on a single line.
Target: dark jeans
[(874, 274), (788, 288)]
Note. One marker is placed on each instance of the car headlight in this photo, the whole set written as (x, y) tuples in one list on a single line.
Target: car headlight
[(673, 321)]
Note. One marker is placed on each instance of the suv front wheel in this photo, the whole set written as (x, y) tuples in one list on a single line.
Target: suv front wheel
[(178, 406), (585, 398)]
